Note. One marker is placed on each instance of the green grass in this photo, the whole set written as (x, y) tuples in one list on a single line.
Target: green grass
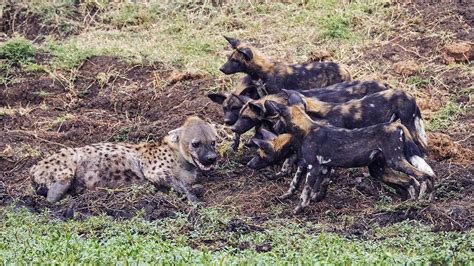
[(26, 237), (189, 36), (17, 50), (445, 117)]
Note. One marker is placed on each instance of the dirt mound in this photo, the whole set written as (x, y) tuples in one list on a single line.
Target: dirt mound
[(443, 148)]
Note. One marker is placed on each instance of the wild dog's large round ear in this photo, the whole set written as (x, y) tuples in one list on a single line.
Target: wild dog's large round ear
[(175, 134), (233, 42), (286, 92), (217, 97), (267, 135), (257, 108), (244, 99), (251, 91), (273, 107), (264, 144), (246, 52)]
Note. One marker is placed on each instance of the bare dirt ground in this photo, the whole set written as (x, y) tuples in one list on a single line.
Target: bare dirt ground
[(108, 99)]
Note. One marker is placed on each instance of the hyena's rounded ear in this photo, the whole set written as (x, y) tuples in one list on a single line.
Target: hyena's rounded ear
[(217, 97), (233, 42), (246, 52), (175, 134)]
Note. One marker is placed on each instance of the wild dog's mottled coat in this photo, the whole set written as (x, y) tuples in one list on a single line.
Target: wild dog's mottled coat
[(277, 75), (321, 147), (380, 107)]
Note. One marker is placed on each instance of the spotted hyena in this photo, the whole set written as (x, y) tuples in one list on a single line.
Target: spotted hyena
[(172, 162)]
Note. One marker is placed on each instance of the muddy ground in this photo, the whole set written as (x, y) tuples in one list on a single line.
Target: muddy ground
[(108, 99)]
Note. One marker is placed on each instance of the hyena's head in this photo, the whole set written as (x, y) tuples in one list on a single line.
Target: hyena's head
[(232, 103), (292, 118), (271, 150), (196, 140), (246, 59)]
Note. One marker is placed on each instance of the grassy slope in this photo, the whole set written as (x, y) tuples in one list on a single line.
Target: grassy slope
[(189, 37)]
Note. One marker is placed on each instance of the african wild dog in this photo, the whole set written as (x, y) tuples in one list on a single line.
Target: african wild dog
[(171, 162), (232, 102), (278, 75), (380, 107), (253, 111), (320, 147)]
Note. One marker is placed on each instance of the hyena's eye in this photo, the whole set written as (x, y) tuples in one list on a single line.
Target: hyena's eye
[(196, 143), (213, 143)]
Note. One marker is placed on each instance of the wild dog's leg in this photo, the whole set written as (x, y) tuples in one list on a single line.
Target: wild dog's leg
[(235, 142), (321, 185), (57, 190), (287, 166), (312, 176), (295, 183)]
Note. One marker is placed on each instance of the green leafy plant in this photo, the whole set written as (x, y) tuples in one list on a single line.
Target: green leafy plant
[(17, 50)]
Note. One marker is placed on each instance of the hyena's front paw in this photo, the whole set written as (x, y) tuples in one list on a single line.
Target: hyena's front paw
[(197, 190)]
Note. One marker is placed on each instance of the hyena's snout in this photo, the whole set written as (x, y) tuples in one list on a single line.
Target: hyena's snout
[(210, 158)]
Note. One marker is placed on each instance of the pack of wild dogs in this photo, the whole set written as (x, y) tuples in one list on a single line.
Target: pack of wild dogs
[(311, 117)]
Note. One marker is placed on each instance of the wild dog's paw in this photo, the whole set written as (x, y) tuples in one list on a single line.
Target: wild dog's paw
[(285, 196)]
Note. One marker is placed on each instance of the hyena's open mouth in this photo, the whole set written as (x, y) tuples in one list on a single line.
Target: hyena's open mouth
[(200, 165)]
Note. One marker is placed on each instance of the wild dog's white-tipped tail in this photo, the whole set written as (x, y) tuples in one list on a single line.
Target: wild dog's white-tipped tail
[(420, 130), (421, 165)]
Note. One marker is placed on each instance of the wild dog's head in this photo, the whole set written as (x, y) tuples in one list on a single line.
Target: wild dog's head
[(232, 103), (292, 118), (196, 141), (252, 113), (245, 58), (271, 149)]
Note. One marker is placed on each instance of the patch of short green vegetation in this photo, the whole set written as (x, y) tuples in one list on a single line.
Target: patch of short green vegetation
[(122, 134), (445, 116), (132, 14), (418, 82), (17, 50), (59, 14), (189, 35), (336, 26), (66, 55), (212, 236)]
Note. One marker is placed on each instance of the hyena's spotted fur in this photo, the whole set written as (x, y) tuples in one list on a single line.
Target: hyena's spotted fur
[(170, 162)]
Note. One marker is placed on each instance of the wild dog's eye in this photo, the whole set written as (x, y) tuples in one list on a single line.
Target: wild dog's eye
[(196, 143), (213, 143)]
